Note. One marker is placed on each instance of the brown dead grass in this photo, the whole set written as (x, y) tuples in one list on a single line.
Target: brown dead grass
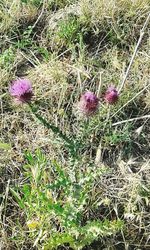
[(58, 82)]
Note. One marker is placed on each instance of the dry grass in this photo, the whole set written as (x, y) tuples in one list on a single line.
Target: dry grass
[(12, 13), (73, 47)]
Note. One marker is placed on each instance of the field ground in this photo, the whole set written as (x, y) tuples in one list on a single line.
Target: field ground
[(98, 197)]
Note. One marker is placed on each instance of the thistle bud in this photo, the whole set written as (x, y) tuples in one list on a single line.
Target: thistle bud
[(111, 96), (88, 103)]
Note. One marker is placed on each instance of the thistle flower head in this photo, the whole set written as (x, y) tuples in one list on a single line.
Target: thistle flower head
[(88, 103), (111, 95), (21, 90)]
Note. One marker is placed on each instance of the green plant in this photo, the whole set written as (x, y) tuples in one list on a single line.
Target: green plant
[(69, 142), (7, 58), (69, 31), (118, 136), (55, 202), (26, 39)]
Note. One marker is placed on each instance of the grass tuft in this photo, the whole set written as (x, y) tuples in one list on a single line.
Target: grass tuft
[(97, 195)]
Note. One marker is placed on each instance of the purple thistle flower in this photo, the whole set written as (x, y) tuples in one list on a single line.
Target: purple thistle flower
[(88, 103), (111, 96), (21, 90)]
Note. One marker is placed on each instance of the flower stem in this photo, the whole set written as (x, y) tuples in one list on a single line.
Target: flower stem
[(48, 125)]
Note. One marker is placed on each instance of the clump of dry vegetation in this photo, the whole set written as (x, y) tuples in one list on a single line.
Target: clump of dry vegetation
[(97, 196)]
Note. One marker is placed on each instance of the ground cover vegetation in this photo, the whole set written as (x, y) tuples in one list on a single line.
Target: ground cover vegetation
[(74, 124)]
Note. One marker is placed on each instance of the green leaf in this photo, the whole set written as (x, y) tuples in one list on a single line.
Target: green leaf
[(5, 146), (24, 1), (18, 198), (59, 239), (26, 190)]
